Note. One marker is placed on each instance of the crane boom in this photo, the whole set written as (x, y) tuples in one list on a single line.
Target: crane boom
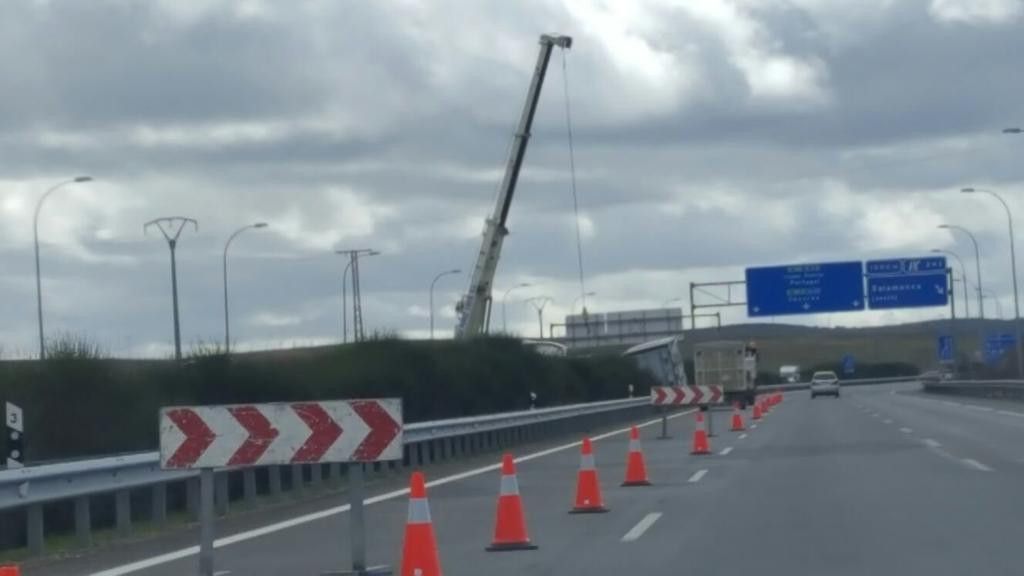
[(475, 306)]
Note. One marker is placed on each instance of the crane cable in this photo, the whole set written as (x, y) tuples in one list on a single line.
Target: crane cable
[(572, 172)]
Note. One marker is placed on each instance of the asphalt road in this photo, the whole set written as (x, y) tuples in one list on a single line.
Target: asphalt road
[(881, 481)]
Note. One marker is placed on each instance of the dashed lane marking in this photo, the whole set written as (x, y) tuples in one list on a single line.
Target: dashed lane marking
[(642, 526)]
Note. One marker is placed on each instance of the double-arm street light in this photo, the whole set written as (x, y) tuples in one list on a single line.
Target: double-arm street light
[(227, 321), (432, 282), (35, 237), (171, 227), (1013, 269), (538, 304)]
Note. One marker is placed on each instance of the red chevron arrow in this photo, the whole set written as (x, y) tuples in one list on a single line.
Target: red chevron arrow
[(198, 437), (325, 431), (659, 392), (261, 435), (716, 394), (383, 430), (698, 394)]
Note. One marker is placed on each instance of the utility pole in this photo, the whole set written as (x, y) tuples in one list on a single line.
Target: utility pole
[(544, 301), (358, 333), (171, 227)]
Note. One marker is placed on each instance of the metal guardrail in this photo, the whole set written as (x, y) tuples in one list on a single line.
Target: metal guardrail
[(33, 486), (1012, 389), (842, 382)]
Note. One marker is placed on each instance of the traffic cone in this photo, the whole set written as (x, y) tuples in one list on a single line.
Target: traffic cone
[(636, 468), (419, 550), (780, 398), (588, 488), (757, 411), (700, 437), (10, 570), (510, 524), (737, 419)]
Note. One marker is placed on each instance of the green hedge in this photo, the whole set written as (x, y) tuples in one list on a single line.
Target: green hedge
[(83, 407)]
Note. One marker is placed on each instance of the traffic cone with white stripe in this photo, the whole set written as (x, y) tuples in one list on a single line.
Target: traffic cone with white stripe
[(700, 437), (419, 550), (10, 570), (737, 419), (510, 524), (588, 487), (636, 468)]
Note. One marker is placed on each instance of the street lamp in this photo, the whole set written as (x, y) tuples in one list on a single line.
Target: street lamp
[(581, 297), (434, 281), (35, 236), (171, 227), (963, 272), (1013, 268), (999, 305), (353, 257), (227, 322), (504, 316), (977, 262), (544, 301)]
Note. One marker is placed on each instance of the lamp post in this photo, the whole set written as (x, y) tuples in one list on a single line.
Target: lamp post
[(227, 320), (977, 262), (581, 297), (543, 301), (963, 273), (35, 237), (171, 228), (353, 264), (504, 316), (432, 282), (1013, 269)]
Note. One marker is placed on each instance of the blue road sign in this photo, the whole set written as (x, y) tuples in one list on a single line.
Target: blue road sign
[(996, 346), (849, 365), (910, 291), (906, 266), (805, 289), (946, 350)]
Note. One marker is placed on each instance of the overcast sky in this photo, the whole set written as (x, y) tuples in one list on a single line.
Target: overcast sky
[(710, 136)]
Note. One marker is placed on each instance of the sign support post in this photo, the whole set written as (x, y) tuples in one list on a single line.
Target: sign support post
[(206, 522), (664, 424)]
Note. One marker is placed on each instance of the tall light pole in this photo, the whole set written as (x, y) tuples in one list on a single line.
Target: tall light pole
[(432, 282), (977, 262), (227, 321), (357, 307), (35, 236), (999, 305), (582, 297), (504, 315), (171, 228), (963, 273), (1013, 269), (543, 301)]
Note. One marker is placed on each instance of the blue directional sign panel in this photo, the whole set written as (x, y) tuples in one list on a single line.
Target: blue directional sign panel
[(945, 349), (907, 283), (996, 346), (849, 365), (805, 289)]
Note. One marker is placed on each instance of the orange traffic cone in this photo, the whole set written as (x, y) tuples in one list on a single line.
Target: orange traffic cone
[(10, 570), (636, 468), (588, 488), (510, 525), (700, 437), (419, 551), (737, 419), (757, 411)]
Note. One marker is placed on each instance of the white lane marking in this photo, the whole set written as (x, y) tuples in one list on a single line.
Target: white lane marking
[(981, 408), (906, 430), (726, 451), (1010, 413), (637, 531), (741, 436), (931, 443), (222, 573), (313, 517), (697, 476), (948, 403), (887, 421), (975, 464), (753, 426), (876, 415)]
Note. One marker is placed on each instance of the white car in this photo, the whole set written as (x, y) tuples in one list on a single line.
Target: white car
[(824, 383)]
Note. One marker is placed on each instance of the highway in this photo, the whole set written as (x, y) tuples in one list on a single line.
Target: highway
[(884, 480)]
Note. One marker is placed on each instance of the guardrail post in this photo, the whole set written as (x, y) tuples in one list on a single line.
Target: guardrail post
[(123, 511), (34, 530), (158, 512), (316, 475), (274, 481), (192, 497), (83, 522), (298, 482), (221, 493), (249, 485)]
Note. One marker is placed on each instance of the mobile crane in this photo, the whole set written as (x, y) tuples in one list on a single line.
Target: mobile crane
[(474, 308)]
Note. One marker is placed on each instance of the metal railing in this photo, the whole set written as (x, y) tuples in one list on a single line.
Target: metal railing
[(32, 487), (1011, 389), (842, 382)]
